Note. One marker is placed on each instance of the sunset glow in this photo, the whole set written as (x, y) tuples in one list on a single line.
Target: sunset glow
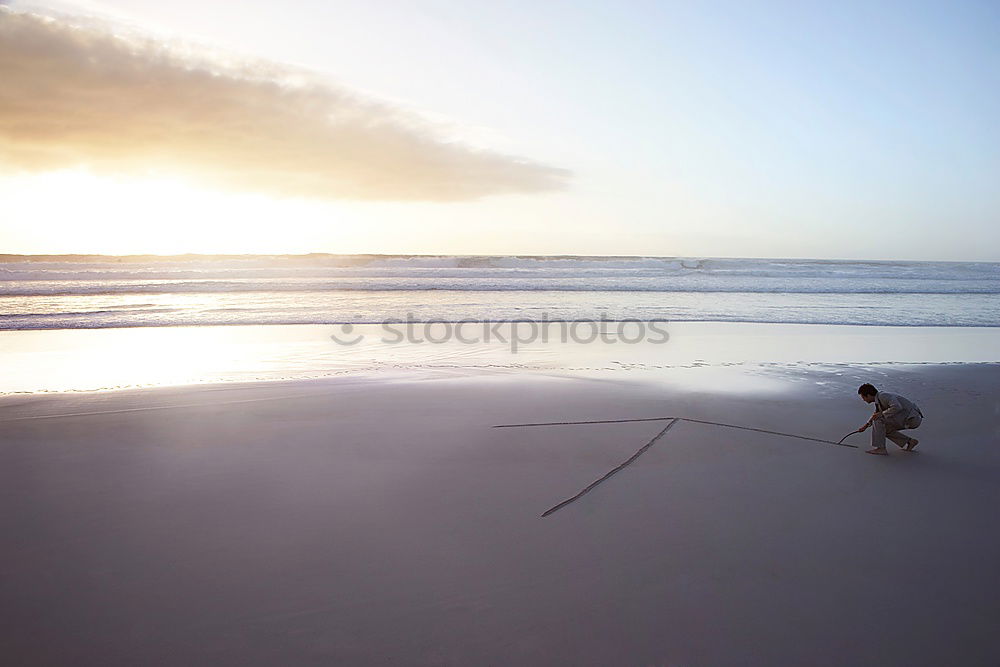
[(130, 127)]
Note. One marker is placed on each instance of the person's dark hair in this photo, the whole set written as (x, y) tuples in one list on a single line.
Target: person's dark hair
[(867, 390)]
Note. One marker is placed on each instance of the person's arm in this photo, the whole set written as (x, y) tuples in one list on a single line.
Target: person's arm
[(871, 420)]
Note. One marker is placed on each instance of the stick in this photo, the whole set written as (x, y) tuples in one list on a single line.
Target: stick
[(848, 436)]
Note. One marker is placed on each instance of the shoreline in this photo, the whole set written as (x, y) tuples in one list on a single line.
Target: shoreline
[(51, 361), (788, 372), (366, 323)]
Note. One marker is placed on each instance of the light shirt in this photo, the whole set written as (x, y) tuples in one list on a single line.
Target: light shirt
[(892, 405)]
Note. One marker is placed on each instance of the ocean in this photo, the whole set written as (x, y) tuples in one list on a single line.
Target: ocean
[(89, 292)]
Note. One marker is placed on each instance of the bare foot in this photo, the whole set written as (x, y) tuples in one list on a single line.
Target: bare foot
[(877, 452), (912, 444)]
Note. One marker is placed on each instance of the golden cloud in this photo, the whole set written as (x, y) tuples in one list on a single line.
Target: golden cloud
[(75, 94)]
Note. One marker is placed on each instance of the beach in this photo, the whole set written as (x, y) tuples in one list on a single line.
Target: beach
[(499, 334), (380, 519), (495, 460)]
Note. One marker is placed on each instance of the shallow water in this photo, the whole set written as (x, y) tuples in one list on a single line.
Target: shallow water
[(725, 356)]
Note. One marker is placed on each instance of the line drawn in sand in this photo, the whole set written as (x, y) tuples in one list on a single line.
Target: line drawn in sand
[(672, 421)]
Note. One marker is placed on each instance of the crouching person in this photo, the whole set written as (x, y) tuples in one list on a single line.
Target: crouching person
[(893, 413)]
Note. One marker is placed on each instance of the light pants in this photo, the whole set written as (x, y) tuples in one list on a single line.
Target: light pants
[(890, 428)]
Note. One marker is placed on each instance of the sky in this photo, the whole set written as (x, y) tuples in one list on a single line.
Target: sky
[(840, 130)]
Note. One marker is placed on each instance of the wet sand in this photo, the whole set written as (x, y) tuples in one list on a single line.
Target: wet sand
[(364, 521)]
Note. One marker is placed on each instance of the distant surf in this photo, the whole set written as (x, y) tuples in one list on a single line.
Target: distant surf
[(94, 291)]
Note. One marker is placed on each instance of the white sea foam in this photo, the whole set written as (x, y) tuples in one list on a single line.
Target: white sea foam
[(115, 292)]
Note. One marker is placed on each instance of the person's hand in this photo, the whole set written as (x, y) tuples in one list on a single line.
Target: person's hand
[(863, 428)]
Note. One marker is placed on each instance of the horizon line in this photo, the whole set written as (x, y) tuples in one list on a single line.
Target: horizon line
[(16, 257)]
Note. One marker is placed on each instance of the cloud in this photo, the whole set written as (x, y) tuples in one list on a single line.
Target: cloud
[(77, 94)]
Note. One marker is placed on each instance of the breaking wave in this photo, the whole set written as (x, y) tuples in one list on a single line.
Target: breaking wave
[(95, 291)]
